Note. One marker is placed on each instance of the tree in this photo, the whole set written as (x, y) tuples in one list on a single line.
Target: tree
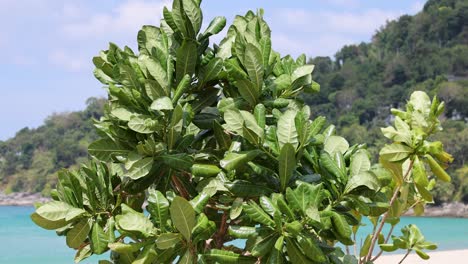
[(216, 143)]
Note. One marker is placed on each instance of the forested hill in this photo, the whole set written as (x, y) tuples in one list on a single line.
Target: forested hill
[(29, 161), (427, 51)]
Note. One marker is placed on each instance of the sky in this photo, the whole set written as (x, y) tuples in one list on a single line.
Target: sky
[(47, 45)]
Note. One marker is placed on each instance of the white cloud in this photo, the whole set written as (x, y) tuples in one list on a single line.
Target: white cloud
[(64, 60), (363, 22), (325, 44), (128, 16), (360, 23)]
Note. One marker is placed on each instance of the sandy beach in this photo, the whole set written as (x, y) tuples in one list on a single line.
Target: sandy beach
[(437, 257)]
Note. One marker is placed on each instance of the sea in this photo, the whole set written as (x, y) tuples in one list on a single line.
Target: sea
[(21, 241)]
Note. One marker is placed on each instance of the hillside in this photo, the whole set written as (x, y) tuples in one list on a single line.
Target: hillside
[(29, 160), (427, 51)]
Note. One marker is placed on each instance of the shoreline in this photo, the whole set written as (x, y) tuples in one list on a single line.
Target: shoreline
[(454, 210), (436, 257)]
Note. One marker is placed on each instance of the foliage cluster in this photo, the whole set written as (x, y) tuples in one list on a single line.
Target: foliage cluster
[(204, 145)]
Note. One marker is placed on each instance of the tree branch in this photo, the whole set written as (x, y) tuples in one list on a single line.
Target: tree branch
[(384, 218)]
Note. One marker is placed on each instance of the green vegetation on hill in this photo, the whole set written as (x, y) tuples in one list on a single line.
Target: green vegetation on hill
[(29, 161), (428, 51)]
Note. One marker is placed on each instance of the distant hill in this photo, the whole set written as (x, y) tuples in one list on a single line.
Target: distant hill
[(427, 51), (29, 160)]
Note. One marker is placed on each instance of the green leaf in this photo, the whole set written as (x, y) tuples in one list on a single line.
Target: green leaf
[(242, 232), (181, 161), (147, 255), (247, 90), (294, 253), (334, 144), (367, 179), (78, 233), (187, 258), (302, 71), (311, 249), (253, 63), (54, 211), (183, 216), (287, 164), (158, 207), (215, 26), (234, 121), (156, 70), (142, 124), (168, 240), (162, 103), (47, 224), (359, 163), (223, 139), (104, 149), (140, 168), (234, 160), (228, 257), (395, 152), (264, 244), (205, 170), (211, 71), (340, 225), (123, 248), (286, 131), (99, 239), (236, 208), (132, 221), (257, 214), (276, 255), (186, 59), (83, 253)]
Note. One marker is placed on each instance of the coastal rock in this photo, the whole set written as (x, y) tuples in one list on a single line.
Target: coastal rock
[(445, 210), (22, 199)]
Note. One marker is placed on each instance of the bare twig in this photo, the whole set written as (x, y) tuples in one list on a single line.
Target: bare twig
[(404, 257), (375, 235)]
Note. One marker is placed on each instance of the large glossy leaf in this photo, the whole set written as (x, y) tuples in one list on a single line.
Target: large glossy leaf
[(340, 225), (140, 168), (215, 26), (367, 179), (359, 163), (243, 232), (78, 233), (132, 221), (158, 207), (287, 164), (228, 257), (256, 213), (168, 240), (264, 244), (99, 239), (55, 210), (180, 161), (147, 256), (234, 160), (276, 254), (47, 224), (186, 59), (156, 70), (294, 253), (395, 152), (162, 103), (287, 132), (183, 216), (247, 90), (104, 149), (142, 124), (253, 63), (234, 121), (334, 144)]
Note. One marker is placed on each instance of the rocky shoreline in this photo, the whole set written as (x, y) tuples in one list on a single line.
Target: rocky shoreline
[(21, 199), (459, 210)]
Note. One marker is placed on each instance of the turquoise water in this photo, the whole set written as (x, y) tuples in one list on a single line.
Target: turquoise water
[(22, 242)]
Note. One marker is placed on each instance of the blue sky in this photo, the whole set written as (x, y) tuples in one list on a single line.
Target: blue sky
[(47, 45)]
